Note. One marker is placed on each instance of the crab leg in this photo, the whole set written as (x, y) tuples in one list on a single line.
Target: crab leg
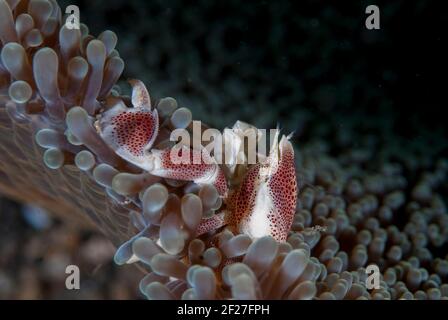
[(211, 224), (184, 163)]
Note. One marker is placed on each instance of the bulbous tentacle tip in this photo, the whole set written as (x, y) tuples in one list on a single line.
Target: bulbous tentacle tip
[(140, 95)]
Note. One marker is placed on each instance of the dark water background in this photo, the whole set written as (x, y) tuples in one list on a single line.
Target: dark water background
[(301, 63)]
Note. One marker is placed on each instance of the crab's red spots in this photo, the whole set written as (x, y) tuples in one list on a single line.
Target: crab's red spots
[(210, 224), (283, 189), (185, 164), (243, 201), (188, 164), (134, 130), (131, 131), (266, 200), (221, 183)]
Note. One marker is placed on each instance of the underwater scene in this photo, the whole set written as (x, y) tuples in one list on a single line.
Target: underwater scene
[(217, 150)]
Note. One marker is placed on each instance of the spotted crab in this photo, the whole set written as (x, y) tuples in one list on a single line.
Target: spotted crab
[(262, 204)]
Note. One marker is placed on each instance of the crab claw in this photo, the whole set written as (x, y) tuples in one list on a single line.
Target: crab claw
[(266, 201), (283, 189), (131, 131), (184, 163), (140, 96)]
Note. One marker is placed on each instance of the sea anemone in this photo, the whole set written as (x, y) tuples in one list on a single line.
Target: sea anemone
[(55, 85)]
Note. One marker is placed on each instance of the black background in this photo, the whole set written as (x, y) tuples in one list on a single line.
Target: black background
[(399, 69)]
